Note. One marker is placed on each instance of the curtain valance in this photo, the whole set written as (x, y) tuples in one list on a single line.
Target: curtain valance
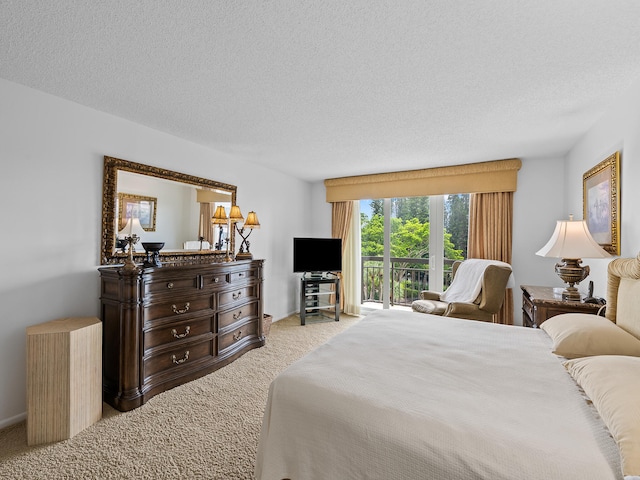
[(483, 177)]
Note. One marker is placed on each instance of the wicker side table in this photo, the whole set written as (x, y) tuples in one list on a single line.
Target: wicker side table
[(64, 378)]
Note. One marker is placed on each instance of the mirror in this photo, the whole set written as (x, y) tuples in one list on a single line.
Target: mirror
[(166, 204)]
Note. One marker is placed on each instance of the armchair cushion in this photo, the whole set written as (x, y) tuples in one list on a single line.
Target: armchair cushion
[(429, 295), (469, 311), (436, 307)]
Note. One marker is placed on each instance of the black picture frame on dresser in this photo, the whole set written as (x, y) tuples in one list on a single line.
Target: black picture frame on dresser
[(166, 326)]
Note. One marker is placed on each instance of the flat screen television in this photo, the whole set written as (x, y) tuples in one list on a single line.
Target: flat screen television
[(317, 255)]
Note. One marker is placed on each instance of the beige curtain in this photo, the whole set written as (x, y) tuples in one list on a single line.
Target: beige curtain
[(351, 264), (490, 236), (340, 225), (206, 227)]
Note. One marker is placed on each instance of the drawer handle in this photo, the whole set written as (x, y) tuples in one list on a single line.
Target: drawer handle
[(236, 316), (216, 280), (241, 274), (237, 336), (236, 296), (178, 311), (175, 333), (178, 361), (170, 285)]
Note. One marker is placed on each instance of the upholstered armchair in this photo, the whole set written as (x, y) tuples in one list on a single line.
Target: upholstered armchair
[(478, 296)]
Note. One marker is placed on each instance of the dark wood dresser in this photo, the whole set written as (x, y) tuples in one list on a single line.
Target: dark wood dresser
[(165, 326)]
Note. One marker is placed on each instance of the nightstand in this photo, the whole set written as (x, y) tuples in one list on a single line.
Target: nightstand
[(542, 303)]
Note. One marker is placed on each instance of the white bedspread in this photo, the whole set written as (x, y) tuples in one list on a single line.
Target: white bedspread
[(404, 395)]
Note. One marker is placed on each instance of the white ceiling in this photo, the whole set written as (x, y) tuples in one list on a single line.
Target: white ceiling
[(328, 88)]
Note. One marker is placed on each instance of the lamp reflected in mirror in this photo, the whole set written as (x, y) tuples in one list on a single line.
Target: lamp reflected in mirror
[(132, 230), (220, 218)]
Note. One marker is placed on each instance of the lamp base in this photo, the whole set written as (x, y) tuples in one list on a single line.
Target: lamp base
[(571, 272), (129, 263), (244, 256), (571, 294)]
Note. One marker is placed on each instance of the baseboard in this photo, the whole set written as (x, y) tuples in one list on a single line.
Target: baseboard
[(7, 422)]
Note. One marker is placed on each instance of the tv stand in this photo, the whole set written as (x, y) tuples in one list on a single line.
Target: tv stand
[(316, 275), (319, 294)]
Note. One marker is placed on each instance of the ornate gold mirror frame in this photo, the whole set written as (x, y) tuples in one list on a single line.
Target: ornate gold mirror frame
[(109, 254)]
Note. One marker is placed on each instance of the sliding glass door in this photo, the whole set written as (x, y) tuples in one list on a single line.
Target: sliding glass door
[(409, 244)]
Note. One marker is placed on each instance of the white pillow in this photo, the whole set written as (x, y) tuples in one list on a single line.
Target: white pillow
[(582, 335), (612, 382)]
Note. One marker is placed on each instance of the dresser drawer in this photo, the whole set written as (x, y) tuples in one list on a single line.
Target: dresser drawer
[(228, 340), (215, 280), (236, 315), (179, 358), (173, 284), (183, 305), (237, 295), (243, 275), (177, 331)]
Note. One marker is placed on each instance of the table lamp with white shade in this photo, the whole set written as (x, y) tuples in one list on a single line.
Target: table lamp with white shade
[(571, 242)]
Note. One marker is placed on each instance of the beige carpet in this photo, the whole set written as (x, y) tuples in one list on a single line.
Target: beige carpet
[(206, 429)]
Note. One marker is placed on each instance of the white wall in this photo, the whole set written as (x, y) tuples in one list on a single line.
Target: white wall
[(617, 130), (538, 203), (320, 211), (51, 201)]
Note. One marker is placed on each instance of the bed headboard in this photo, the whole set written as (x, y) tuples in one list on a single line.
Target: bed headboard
[(623, 294)]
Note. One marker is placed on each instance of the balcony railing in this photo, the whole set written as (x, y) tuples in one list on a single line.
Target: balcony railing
[(409, 276)]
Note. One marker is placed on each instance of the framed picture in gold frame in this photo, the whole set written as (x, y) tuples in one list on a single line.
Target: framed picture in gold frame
[(137, 206), (601, 202)]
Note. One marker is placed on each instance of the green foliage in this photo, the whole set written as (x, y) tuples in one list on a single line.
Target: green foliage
[(450, 250), (377, 207), (409, 232), (411, 207), (410, 238), (410, 227), (456, 221), (372, 235)]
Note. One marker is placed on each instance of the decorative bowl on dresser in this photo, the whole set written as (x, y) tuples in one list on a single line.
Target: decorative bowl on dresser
[(168, 325)]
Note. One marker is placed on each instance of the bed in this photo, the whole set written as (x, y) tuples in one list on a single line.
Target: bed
[(403, 395)]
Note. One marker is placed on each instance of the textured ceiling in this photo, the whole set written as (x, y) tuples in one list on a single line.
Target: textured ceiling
[(329, 88)]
